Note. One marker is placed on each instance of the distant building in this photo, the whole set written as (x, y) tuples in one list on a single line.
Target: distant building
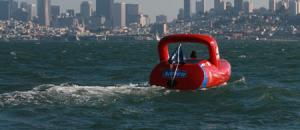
[(55, 11), (105, 8), (119, 15), (298, 7), (229, 6), (31, 9), (216, 4), (44, 12), (78, 15), (283, 6), (21, 15), (71, 12), (14, 6), (180, 15), (65, 22), (238, 5), (23, 5), (5, 10), (187, 9), (293, 9), (272, 5), (94, 23), (286, 4), (219, 6), (159, 28), (161, 19), (201, 6), (223, 6), (27, 10), (144, 20), (248, 6), (133, 12), (86, 9)]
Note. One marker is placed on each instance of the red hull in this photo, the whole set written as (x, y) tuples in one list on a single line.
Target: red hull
[(190, 76)]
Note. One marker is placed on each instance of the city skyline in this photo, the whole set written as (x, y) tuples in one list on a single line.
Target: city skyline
[(123, 21), (148, 6)]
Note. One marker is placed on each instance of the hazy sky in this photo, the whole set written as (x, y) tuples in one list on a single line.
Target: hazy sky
[(150, 7)]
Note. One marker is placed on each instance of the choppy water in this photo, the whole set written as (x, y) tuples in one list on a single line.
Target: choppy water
[(104, 86)]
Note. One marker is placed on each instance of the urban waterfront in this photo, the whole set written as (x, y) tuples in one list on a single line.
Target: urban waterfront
[(239, 20), (90, 69), (105, 86)]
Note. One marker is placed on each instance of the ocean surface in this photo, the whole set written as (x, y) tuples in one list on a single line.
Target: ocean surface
[(69, 86)]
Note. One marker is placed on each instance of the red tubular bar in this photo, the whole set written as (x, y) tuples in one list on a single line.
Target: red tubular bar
[(209, 41)]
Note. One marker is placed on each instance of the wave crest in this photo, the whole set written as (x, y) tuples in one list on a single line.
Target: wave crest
[(78, 95)]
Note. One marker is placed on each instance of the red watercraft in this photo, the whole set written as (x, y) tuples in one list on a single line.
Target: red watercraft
[(175, 72)]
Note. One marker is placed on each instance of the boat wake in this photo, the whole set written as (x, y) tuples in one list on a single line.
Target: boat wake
[(70, 94), (67, 94)]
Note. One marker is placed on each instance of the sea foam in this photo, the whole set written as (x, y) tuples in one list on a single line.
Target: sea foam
[(78, 95)]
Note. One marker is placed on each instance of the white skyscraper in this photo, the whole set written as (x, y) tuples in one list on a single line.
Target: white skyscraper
[(119, 14), (298, 7), (286, 3), (272, 5)]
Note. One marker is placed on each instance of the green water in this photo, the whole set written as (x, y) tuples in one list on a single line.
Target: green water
[(105, 86)]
